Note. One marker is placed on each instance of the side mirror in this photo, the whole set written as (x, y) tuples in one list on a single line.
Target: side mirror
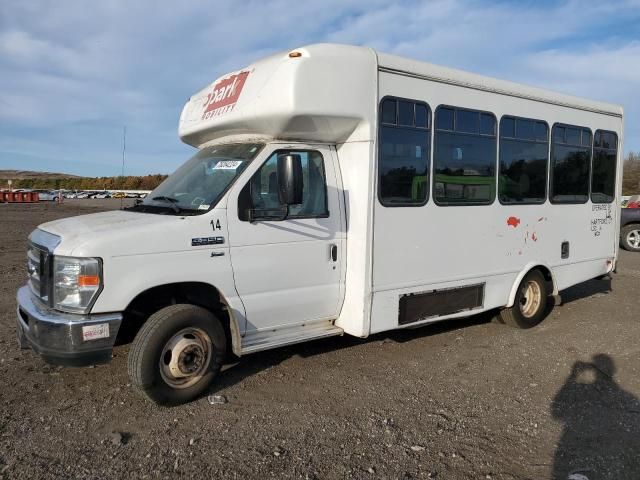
[(290, 181)]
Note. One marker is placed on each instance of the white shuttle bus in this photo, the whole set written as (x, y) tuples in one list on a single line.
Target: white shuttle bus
[(335, 190)]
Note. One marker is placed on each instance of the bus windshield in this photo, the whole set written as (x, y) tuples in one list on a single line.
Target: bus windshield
[(198, 185)]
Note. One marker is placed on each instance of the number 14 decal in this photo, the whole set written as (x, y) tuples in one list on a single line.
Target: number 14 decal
[(215, 224)]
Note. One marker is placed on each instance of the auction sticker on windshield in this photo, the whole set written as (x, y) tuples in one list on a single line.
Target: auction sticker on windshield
[(228, 165)]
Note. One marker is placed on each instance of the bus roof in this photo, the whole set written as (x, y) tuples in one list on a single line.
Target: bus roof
[(327, 93), (429, 71)]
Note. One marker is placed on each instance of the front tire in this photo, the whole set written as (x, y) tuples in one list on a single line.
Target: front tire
[(529, 306), (176, 354), (630, 238)]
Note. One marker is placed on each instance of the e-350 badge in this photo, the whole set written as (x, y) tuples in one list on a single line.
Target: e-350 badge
[(198, 242)]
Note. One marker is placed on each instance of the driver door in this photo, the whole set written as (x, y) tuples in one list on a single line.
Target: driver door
[(290, 271)]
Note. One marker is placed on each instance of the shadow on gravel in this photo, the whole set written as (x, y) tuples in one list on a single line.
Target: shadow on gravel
[(587, 289), (601, 434), (252, 364)]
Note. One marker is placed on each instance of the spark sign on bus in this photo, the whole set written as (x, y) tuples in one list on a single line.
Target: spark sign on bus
[(224, 95)]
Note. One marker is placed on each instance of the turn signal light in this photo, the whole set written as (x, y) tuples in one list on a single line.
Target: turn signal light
[(88, 280)]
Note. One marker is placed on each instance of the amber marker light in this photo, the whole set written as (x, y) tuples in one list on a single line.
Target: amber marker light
[(88, 280), (294, 54)]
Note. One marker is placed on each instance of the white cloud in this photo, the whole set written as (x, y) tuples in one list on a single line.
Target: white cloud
[(111, 63)]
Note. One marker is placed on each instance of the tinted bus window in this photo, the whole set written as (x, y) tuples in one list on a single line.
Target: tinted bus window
[(524, 147), (570, 164), (403, 156), (464, 157), (603, 178)]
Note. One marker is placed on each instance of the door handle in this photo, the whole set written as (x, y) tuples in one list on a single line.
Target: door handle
[(334, 252)]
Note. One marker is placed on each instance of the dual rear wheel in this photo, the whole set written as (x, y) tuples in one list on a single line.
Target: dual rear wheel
[(529, 307)]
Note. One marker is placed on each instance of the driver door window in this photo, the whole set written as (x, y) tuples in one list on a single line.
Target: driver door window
[(261, 193)]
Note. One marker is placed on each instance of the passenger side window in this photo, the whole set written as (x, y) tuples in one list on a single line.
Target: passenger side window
[(262, 190), (464, 157), (403, 158), (603, 178), (524, 148), (570, 164)]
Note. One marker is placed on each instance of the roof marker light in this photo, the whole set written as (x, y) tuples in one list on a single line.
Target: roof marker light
[(294, 54)]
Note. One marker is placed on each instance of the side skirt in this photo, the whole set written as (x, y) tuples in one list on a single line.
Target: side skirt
[(257, 341)]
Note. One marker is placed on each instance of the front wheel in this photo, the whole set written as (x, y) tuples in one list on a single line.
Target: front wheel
[(530, 303), (630, 238), (176, 354)]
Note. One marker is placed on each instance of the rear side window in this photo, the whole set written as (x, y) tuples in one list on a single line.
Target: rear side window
[(263, 188), (603, 177), (464, 157), (570, 164), (524, 148), (404, 149)]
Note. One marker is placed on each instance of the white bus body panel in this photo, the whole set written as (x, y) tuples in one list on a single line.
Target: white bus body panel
[(421, 249)]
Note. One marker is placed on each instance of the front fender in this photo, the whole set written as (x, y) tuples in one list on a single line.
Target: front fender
[(126, 277)]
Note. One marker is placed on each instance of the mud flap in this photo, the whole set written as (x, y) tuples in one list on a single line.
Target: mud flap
[(23, 343)]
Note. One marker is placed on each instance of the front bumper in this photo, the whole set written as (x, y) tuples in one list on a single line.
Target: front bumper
[(65, 338)]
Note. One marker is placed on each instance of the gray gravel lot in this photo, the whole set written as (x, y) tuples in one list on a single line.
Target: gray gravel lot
[(456, 400)]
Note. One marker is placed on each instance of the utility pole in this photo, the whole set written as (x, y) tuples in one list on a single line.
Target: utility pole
[(124, 148)]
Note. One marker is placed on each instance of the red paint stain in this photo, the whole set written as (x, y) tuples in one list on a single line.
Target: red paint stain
[(513, 222), (534, 237)]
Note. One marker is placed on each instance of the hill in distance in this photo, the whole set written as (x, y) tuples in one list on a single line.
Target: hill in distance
[(52, 180), (26, 175)]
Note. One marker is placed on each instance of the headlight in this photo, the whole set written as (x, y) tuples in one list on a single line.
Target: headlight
[(76, 283)]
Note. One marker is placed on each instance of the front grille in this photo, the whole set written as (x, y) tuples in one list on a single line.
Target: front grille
[(39, 270)]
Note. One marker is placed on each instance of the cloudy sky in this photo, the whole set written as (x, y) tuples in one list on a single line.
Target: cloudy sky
[(72, 73)]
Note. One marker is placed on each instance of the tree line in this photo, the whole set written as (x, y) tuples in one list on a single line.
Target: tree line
[(146, 182), (631, 174), (630, 181)]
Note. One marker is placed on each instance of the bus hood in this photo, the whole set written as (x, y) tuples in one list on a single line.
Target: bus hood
[(122, 233)]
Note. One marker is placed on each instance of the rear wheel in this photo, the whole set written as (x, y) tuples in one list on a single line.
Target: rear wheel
[(176, 354), (630, 237), (530, 303)]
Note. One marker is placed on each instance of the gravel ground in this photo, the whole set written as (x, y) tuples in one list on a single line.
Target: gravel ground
[(456, 400)]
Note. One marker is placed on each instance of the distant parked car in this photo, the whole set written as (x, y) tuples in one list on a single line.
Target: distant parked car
[(119, 195), (47, 196), (630, 229), (103, 195)]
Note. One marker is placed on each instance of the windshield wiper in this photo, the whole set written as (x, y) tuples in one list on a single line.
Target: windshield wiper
[(172, 201)]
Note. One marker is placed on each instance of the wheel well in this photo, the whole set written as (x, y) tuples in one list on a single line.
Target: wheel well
[(548, 276), (546, 273), (150, 301)]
